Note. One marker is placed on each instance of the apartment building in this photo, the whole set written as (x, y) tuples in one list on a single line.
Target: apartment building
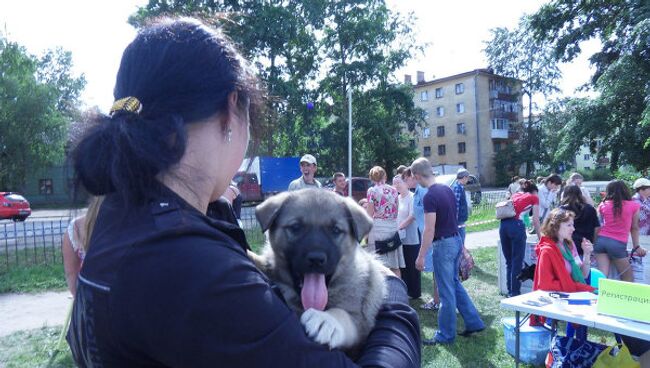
[(469, 117)]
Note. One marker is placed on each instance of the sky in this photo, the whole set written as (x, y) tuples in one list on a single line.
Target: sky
[(96, 33)]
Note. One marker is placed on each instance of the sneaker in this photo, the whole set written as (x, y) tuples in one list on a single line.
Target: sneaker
[(430, 305)]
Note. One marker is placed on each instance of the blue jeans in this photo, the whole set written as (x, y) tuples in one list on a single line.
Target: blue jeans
[(461, 232), (513, 244), (446, 260)]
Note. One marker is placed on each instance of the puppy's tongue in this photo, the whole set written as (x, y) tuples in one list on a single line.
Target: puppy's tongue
[(314, 291)]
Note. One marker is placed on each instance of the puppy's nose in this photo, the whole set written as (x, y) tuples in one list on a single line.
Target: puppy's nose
[(316, 259)]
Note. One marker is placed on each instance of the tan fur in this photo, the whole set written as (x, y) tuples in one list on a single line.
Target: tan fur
[(356, 289)]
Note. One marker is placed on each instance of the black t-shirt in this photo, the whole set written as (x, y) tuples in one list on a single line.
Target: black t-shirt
[(441, 200), (585, 223)]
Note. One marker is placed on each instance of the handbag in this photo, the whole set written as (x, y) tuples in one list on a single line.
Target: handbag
[(388, 245), (621, 359), (505, 210), (466, 265), (569, 352)]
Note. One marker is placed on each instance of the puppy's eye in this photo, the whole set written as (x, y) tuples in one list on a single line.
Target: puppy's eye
[(294, 228), (336, 230)]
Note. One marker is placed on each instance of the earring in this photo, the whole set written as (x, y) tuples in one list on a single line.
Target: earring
[(229, 135)]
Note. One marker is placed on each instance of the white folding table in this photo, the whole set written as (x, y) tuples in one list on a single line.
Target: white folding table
[(585, 315)]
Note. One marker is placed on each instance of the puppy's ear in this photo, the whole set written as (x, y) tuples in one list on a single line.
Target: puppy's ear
[(268, 211), (360, 222)]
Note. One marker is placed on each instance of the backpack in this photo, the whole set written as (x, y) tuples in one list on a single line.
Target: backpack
[(505, 210)]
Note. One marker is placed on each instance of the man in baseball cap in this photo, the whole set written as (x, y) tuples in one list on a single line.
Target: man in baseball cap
[(642, 188), (308, 168)]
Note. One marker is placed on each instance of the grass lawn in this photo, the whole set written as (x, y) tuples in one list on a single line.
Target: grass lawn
[(31, 270), (33, 349), (481, 219)]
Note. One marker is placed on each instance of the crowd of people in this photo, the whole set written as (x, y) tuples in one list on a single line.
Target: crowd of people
[(575, 238)]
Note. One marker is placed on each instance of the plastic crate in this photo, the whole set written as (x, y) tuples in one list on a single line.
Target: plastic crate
[(534, 342)]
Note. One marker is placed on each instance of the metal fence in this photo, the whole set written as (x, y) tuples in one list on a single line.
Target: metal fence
[(38, 240), (31, 242)]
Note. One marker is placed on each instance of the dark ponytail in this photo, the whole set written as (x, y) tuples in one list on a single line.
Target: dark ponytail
[(181, 72), (617, 192), (529, 187)]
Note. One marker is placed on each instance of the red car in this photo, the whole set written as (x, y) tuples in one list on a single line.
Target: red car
[(14, 206)]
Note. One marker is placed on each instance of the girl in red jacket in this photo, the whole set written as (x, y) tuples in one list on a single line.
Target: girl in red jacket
[(559, 267)]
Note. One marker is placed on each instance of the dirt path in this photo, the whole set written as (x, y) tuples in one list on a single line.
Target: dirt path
[(28, 311)]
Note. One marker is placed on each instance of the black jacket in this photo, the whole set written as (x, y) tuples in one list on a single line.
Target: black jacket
[(165, 286)]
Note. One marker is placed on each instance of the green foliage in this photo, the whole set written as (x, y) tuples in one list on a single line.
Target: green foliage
[(516, 54), (37, 102), (507, 162), (599, 174), (311, 52), (619, 115)]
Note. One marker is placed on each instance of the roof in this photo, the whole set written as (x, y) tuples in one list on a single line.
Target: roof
[(487, 72)]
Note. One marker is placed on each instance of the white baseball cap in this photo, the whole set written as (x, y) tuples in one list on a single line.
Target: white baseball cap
[(308, 159), (639, 183)]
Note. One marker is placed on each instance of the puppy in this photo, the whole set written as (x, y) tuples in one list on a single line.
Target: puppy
[(527, 272), (313, 255)]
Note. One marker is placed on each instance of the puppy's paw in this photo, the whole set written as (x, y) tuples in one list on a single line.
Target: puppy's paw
[(324, 328)]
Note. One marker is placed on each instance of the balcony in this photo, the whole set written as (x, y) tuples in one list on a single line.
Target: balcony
[(499, 114), (500, 133)]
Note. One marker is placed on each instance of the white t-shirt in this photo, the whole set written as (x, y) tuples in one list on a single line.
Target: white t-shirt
[(75, 236), (404, 210)]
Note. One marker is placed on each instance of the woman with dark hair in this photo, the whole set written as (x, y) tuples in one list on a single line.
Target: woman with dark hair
[(620, 218), (163, 285), (586, 222), (548, 194), (512, 233)]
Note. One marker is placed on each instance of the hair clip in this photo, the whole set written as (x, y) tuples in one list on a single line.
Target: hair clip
[(127, 104)]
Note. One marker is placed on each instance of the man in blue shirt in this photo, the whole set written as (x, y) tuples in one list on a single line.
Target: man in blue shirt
[(441, 234), (461, 201)]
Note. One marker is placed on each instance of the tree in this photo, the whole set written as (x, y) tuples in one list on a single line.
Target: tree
[(308, 53), (37, 100), (517, 54), (620, 114)]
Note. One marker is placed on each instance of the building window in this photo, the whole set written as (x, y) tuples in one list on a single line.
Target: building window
[(460, 88), (412, 143), (426, 133), (427, 151), (460, 128), (587, 157), (45, 186), (425, 115), (442, 150), (441, 131), (440, 111), (439, 92), (587, 168), (460, 107), (497, 146), (463, 164), (424, 96), (461, 147), (499, 124)]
